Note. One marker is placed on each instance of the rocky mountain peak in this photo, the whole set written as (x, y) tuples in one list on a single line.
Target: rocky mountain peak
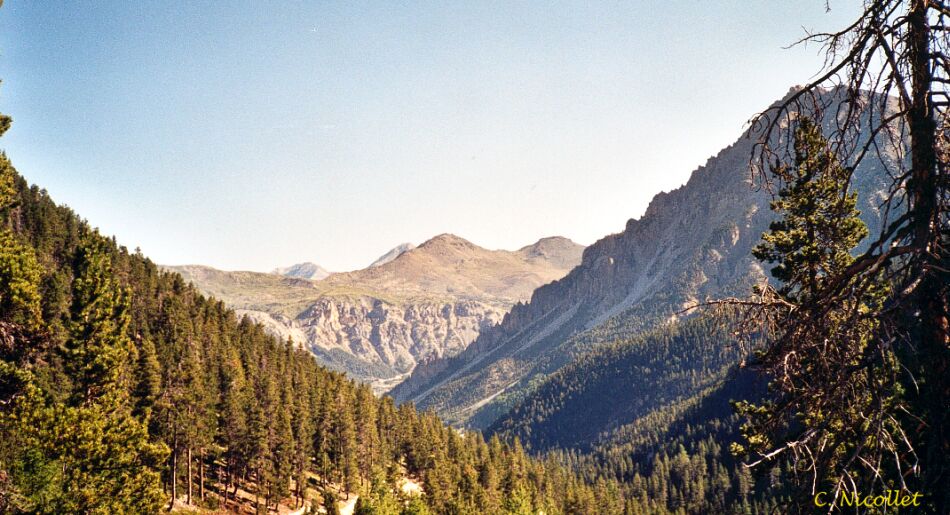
[(448, 240), (555, 249), (392, 254), (307, 270)]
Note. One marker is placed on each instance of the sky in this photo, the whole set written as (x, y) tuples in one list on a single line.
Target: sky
[(249, 135)]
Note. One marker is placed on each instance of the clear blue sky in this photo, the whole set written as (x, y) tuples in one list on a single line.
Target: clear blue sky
[(246, 135)]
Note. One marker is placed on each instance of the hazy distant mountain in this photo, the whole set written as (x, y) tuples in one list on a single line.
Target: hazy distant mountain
[(691, 244), (556, 250), (447, 265), (307, 270), (393, 253), (377, 323)]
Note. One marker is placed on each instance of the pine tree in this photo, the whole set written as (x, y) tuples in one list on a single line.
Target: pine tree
[(25, 471), (106, 460), (234, 435), (19, 271), (812, 244), (148, 379), (97, 354), (330, 504), (820, 223), (881, 92)]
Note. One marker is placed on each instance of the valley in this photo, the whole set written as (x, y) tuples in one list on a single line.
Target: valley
[(761, 324)]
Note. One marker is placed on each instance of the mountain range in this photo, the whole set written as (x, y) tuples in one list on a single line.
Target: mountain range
[(413, 303)]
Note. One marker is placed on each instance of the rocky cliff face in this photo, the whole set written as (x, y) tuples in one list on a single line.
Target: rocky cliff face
[(427, 302), (377, 341), (691, 244)]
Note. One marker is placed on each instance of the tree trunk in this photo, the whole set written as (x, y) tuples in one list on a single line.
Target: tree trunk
[(243, 480), (923, 203), (189, 475), (257, 491), (201, 475), (219, 473), (226, 481), (925, 209), (174, 478), (299, 489)]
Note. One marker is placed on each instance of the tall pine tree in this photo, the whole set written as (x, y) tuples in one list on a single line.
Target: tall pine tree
[(106, 458), (811, 244)]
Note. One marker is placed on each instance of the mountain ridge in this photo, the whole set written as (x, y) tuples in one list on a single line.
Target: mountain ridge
[(691, 243)]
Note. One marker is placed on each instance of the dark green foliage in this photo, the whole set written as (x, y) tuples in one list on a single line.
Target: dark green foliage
[(19, 271), (820, 223), (651, 416), (329, 504), (98, 350), (618, 383)]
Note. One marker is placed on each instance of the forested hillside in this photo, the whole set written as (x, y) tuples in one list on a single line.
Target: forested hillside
[(654, 412), (619, 383), (677, 458), (122, 388)]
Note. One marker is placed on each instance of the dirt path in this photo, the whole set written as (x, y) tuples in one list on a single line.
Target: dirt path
[(348, 507)]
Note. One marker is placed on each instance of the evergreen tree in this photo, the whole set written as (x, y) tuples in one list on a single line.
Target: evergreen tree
[(885, 75), (148, 379), (105, 460), (19, 271), (330, 504), (98, 351), (812, 245), (820, 223), (23, 471)]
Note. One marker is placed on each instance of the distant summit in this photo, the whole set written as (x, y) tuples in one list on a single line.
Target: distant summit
[(560, 251), (447, 240), (451, 265), (307, 270), (393, 253)]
